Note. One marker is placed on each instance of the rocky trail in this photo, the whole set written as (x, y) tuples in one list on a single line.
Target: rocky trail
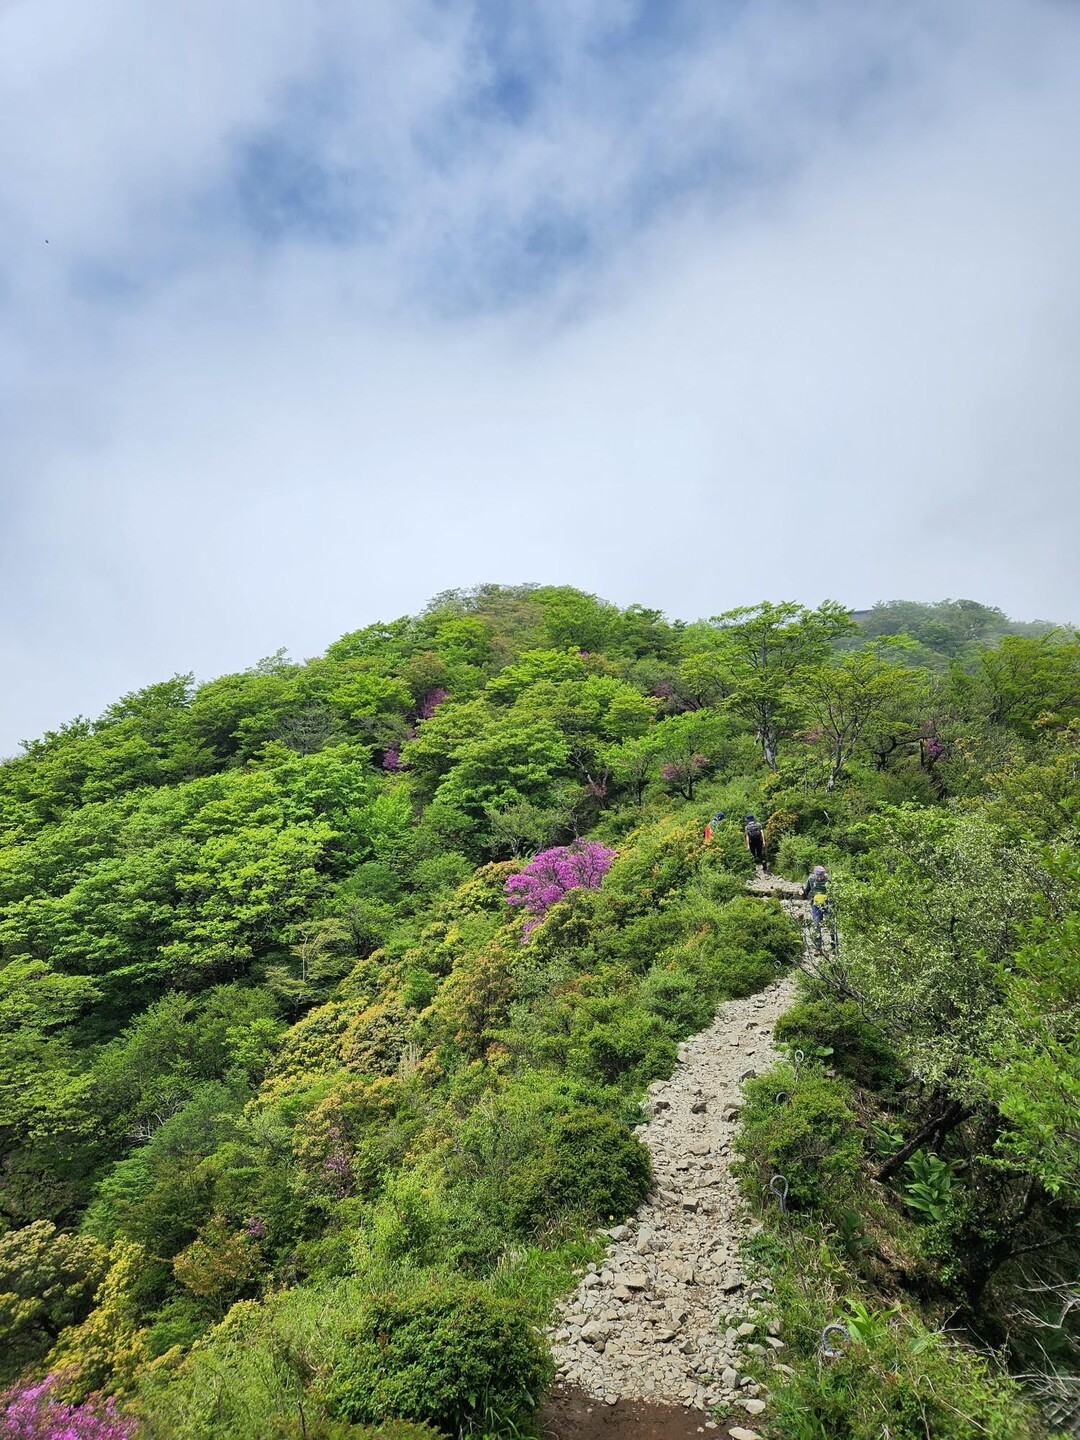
[(669, 1314)]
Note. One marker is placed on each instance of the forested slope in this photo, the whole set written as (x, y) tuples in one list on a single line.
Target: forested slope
[(329, 992)]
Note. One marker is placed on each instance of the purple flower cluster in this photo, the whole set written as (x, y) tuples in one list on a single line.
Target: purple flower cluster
[(391, 759), (432, 703), (29, 1412), (551, 874), (255, 1227)]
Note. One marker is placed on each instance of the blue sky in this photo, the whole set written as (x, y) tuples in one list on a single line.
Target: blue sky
[(307, 313)]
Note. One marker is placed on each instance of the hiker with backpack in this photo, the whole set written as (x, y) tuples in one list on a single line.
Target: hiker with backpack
[(816, 890), (755, 840)]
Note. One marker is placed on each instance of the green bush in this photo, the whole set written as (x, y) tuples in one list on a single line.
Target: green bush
[(613, 1041), (590, 1167), (450, 1354), (797, 855), (735, 948), (902, 1382), (859, 1049), (634, 942), (757, 928), (321, 1429), (680, 1000), (716, 885), (812, 1138)]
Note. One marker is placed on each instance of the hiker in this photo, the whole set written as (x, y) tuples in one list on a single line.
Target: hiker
[(714, 821), (816, 890), (755, 840)]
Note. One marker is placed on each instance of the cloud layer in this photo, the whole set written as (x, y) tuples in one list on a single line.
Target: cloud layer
[(683, 303)]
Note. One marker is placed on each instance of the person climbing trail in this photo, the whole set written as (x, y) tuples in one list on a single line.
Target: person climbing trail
[(816, 890), (755, 841), (714, 821)]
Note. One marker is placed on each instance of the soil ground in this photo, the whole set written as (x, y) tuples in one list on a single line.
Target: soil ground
[(571, 1414)]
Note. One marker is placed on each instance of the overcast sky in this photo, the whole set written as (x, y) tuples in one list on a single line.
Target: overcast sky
[(309, 311)]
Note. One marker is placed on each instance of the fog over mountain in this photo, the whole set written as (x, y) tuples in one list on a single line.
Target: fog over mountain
[(305, 317)]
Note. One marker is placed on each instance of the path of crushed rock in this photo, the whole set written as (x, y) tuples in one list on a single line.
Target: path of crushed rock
[(670, 1312)]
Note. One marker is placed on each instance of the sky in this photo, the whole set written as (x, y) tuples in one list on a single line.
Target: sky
[(309, 312)]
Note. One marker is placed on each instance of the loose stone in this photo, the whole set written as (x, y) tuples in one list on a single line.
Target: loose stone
[(645, 1323)]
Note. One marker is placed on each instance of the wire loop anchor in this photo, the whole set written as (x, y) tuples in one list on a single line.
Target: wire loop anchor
[(842, 1334), (778, 1186)]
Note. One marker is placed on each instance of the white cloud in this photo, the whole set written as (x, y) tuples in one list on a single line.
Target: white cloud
[(848, 376)]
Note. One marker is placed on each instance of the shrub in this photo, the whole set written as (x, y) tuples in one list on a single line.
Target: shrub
[(550, 875), (757, 928), (679, 999), (859, 1049), (32, 1412), (903, 1382), (633, 940), (450, 1353), (736, 947), (590, 1167), (797, 854), (322, 1429), (812, 1138), (614, 1041)]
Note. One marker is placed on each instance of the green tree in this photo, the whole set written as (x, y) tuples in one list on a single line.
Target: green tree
[(430, 756), (852, 700), (1024, 680), (689, 746), (1032, 1068), (766, 648), (633, 764), (515, 759), (47, 1281), (937, 910)]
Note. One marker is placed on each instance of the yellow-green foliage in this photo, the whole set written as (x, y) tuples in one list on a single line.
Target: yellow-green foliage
[(374, 1041), (357, 1118), (472, 1005), (312, 1046), (219, 1264), (107, 1349), (47, 1281)]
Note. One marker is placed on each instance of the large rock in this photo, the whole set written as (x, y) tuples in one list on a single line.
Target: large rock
[(630, 1280)]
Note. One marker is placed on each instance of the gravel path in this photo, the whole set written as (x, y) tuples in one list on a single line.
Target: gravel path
[(670, 1312)]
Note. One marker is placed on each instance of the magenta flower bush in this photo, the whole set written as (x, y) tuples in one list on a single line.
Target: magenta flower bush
[(391, 759), (553, 873), (432, 703), (30, 1412)]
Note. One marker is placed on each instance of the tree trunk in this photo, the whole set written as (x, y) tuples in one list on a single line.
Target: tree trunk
[(954, 1114)]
